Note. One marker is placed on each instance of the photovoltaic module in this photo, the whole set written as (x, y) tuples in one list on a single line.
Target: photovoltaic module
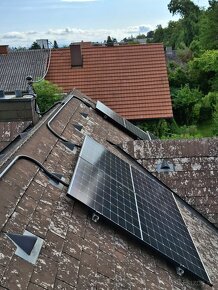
[(137, 202)]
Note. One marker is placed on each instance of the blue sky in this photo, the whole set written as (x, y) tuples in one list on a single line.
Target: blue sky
[(24, 21)]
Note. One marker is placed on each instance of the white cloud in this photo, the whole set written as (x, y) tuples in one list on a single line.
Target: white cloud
[(13, 35), (71, 34)]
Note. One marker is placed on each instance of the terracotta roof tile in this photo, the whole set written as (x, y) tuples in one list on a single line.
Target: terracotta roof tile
[(134, 75)]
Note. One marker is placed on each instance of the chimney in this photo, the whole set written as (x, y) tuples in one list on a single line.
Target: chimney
[(3, 49), (76, 55)]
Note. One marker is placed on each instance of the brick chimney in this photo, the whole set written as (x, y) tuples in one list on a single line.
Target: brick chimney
[(3, 49), (76, 55)]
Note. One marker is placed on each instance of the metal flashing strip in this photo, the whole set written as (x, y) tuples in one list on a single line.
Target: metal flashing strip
[(33, 256)]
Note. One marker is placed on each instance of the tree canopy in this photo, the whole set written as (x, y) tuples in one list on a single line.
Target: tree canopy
[(35, 45), (193, 76)]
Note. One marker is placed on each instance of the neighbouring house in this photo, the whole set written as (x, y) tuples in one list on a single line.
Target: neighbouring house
[(15, 66), (130, 79), (59, 218)]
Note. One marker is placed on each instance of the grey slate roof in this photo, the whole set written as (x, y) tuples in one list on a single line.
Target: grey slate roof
[(195, 177), (78, 253), (16, 66), (9, 131)]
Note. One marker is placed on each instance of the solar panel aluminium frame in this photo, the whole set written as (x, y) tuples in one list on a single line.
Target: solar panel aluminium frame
[(122, 122), (85, 154)]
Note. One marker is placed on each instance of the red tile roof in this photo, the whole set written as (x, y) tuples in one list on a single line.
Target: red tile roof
[(131, 79)]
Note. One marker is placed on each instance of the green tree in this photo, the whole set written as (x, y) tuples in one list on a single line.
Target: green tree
[(47, 94), (150, 34), (158, 34), (209, 27), (140, 36), (35, 45), (209, 106), (190, 14), (110, 41), (215, 121), (187, 105), (173, 34), (203, 71), (55, 45), (177, 75), (183, 7)]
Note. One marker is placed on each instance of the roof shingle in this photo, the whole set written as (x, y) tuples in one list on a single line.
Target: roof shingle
[(131, 80), (78, 253), (17, 65), (195, 177)]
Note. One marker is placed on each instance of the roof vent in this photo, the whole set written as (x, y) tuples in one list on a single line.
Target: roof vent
[(78, 127), (2, 94), (28, 246), (68, 144), (85, 115), (165, 166), (26, 243), (76, 55)]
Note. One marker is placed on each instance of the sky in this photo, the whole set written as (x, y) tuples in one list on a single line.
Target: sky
[(66, 21)]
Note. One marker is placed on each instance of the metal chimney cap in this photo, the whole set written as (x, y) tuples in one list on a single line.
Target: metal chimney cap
[(29, 78)]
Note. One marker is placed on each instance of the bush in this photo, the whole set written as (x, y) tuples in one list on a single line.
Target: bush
[(187, 104), (215, 121), (209, 103), (47, 94)]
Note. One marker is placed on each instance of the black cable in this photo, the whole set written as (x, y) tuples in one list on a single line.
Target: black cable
[(49, 109), (36, 162), (61, 108)]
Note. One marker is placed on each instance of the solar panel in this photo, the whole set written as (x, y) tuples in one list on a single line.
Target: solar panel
[(128, 126), (162, 225), (105, 195), (135, 201), (137, 131), (106, 161), (109, 113)]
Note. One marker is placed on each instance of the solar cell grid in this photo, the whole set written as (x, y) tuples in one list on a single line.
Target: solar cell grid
[(162, 225), (135, 201), (107, 162), (105, 195)]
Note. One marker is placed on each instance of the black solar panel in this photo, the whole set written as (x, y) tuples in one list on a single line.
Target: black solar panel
[(109, 113), (162, 225), (107, 162), (105, 195), (137, 131), (135, 201), (128, 126)]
